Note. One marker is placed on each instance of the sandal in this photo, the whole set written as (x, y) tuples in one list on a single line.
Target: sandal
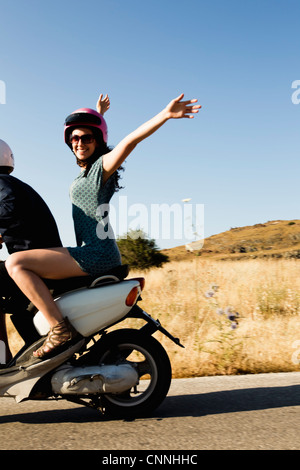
[(57, 336)]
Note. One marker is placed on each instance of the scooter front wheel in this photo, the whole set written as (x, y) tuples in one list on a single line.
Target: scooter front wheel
[(152, 364)]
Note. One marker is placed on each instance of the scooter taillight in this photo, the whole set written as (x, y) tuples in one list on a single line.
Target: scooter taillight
[(132, 296), (135, 291)]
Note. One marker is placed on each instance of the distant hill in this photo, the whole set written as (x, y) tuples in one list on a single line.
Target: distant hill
[(274, 239)]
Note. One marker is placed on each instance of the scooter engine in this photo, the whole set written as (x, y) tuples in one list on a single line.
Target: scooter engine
[(91, 380)]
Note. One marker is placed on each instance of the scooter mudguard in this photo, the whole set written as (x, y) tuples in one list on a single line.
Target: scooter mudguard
[(19, 380)]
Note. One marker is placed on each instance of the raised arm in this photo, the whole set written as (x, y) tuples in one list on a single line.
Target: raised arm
[(176, 109)]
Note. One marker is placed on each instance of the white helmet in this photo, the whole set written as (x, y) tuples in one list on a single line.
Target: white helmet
[(6, 155)]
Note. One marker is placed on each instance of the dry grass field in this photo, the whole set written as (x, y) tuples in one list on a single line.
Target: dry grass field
[(192, 299)]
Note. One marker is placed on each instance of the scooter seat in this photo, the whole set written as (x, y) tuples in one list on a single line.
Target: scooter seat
[(64, 285)]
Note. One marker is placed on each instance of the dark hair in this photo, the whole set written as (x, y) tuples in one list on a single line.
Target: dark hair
[(102, 149), (6, 169)]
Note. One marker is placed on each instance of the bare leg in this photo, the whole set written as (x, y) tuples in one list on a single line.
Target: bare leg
[(28, 267)]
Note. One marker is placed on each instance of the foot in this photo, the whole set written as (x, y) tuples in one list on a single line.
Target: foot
[(57, 336)]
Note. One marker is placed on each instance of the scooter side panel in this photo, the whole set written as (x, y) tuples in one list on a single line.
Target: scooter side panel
[(90, 310), (18, 381)]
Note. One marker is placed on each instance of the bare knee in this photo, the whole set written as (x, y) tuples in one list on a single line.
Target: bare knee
[(14, 264)]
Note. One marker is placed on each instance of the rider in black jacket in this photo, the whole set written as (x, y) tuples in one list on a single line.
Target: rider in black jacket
[(26, 223)]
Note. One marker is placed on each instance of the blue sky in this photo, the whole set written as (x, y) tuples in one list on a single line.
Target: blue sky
[(239, 156)]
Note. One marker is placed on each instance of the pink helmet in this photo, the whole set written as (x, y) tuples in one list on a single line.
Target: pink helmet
[(85, 117)]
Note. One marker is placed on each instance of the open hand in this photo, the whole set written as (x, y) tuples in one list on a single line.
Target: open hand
[(177, 109), (103, 104)]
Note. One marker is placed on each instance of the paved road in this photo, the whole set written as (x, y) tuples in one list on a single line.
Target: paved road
[(231, 412)]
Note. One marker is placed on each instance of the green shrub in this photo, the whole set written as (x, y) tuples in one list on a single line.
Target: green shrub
[(139, 251)]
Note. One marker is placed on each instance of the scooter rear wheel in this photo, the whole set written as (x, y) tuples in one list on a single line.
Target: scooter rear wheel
[(152, 364)]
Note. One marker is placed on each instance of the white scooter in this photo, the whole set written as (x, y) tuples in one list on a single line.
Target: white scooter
[(125, 373)]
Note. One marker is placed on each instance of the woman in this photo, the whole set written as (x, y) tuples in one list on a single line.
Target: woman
[(86, 134)]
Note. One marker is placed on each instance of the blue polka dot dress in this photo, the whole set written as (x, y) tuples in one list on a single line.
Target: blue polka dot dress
[(96, 250)]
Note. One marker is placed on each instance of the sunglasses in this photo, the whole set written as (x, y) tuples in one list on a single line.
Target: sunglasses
[(85, 139)]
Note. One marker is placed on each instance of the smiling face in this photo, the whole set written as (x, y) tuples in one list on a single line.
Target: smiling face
[(83, 147)]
